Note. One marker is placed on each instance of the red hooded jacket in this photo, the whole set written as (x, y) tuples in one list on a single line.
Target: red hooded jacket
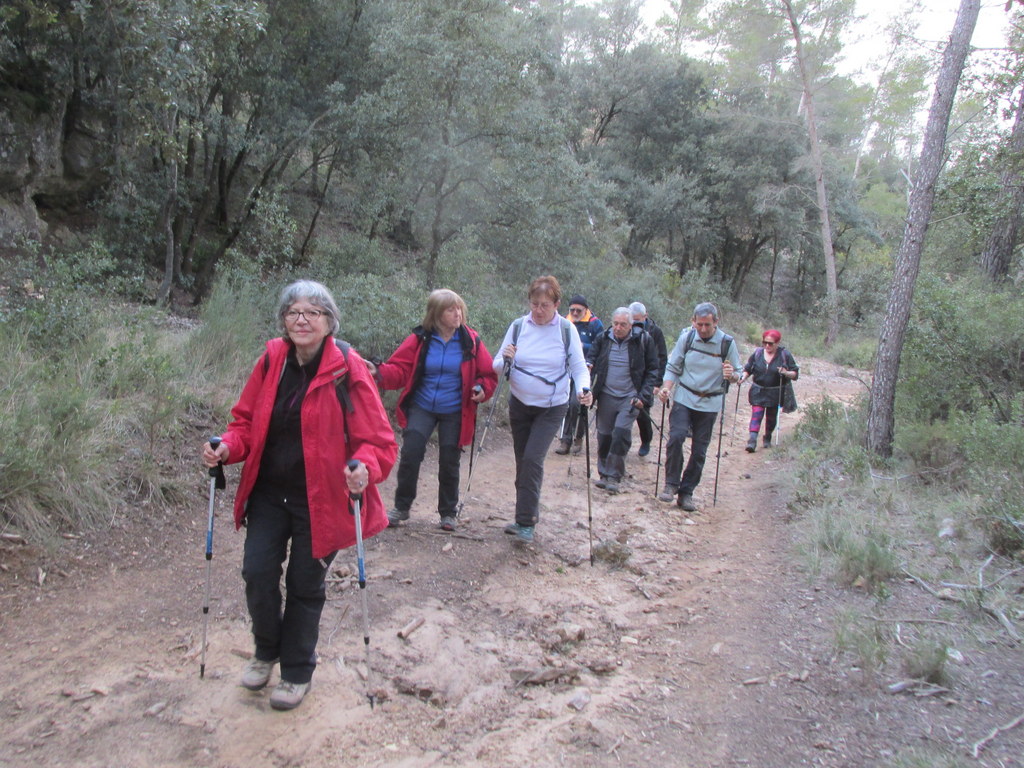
[(404, 369), (329, 439)]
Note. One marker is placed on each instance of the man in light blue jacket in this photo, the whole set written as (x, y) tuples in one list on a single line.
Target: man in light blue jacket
[(702, 364)]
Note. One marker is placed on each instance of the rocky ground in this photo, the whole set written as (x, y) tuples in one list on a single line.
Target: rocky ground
[(696, 640)]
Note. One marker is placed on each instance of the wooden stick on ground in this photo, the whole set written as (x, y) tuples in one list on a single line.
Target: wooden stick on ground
[(979, 745), (411, 627)]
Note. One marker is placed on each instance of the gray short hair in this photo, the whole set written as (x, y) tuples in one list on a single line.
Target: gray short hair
[(704, 309), (636, 308), (623, 311), (313, 292)]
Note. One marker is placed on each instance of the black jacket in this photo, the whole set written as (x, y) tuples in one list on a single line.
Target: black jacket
[(659, 343), (643, 362), (766, 386)]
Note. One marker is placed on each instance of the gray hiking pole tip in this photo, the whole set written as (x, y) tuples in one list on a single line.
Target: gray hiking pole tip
[(590, 509), (217, 481), (357, 503)]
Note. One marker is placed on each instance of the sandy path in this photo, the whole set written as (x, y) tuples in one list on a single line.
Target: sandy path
[(705, 647)]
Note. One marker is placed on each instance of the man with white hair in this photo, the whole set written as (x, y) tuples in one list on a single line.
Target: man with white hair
[(624, 367), (700, 367), (643, 421)]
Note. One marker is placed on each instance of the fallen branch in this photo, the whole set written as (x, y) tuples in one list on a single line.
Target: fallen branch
[(1001, 618), (411, 627), (979, 745), (641, 589), (456, 535), (915, 621), (929, 589)]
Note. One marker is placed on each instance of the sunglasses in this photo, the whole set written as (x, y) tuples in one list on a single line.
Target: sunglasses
[(576, 311), (768, 343)]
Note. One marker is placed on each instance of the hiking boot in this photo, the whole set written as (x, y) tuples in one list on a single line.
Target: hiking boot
[(752, 442), (397, 516), (447, 523), (667, 495), (257, 673), (611, 486), (563, 448), (645, 448), (288, 695), (602, 483), (577, 446), (521, 532), (686, 502), (767, 441)]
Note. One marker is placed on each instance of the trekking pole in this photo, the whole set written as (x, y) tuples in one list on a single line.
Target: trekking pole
[(721, 427), (778, 419), (735, 414), (590, 508), (217, 481), (494, 403), (661, 439), (357, 512), (472, 451)]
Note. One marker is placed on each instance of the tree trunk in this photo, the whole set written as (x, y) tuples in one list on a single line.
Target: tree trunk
[(1002, 240), (167, 217), (881, 405), (818, 165)]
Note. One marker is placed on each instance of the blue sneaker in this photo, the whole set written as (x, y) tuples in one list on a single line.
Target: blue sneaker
[(521, 532)]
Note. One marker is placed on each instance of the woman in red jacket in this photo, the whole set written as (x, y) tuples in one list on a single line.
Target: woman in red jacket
[(445, 372), (296, 439)]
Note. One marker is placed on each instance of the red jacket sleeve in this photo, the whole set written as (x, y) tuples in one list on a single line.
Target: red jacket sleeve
[(397, 372), (485, 373)]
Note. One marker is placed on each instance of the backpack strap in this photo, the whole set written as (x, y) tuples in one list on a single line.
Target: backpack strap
[(688, 345), (341, 382), (517, 326)]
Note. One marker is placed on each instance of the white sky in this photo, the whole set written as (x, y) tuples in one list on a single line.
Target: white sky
[(936, 22)]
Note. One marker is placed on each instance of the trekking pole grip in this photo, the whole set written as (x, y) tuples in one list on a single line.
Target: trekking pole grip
[(217, 473), (353, 465)]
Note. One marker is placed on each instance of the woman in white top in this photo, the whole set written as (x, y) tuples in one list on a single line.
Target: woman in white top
[(540, 353)]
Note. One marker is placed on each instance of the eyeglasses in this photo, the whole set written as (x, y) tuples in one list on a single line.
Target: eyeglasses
[(311, 315)]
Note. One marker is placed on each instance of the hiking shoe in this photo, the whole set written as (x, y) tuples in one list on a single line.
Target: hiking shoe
[(752, 443), (611, 486), (686, 502), (645, 448), (257, 673), (521, 532), (563, 448), (577, 446), (601, 483), (667, 495), (397, 516), (288, 695), (447, 523), (767, 441)]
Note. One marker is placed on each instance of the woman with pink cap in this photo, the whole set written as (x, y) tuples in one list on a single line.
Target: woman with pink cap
[(770, 366)]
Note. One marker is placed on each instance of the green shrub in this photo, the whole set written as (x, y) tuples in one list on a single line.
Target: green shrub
[(866, 640), (926, 660)]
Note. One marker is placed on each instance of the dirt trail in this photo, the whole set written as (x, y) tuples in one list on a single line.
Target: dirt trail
[(704, 646)]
